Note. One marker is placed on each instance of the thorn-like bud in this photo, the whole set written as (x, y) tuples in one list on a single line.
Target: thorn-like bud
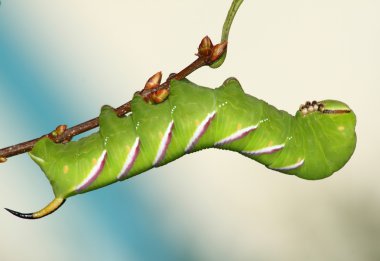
[(159, 96), (205, 47), (57, 132), (3, 159), (60, 129), (217, 51), (154, 81)]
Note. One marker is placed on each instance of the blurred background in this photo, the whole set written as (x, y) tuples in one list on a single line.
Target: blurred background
[(61, 60)]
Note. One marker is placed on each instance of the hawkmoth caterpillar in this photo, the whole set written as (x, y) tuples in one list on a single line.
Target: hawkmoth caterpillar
[(313, 144)]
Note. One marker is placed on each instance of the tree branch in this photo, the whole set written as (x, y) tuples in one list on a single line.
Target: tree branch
[(62, 134), (208, 54)]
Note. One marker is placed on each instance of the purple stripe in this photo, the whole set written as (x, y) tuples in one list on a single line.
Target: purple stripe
[(131, 158), (270, 151), (290, 167), (167, 139), (94, 173), (201, 131), (267, 150), (236, 136)]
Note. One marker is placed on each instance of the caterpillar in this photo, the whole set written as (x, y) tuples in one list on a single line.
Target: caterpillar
[(313, 144)]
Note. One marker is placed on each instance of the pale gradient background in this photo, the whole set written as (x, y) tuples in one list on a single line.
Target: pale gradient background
[(61, 60)]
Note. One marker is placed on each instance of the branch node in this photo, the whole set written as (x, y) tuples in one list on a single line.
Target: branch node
[(60, 134)]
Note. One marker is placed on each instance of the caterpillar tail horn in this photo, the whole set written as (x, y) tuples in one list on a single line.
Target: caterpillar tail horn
[(50, 208)]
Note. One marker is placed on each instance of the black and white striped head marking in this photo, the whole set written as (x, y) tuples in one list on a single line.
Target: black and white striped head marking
[(326, 107)]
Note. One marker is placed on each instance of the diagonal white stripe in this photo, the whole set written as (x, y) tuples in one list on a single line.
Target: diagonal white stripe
[(237, 135), (267, 150), (199, 131), (290, 167), (95, 171), (164, 144), (130, 160)]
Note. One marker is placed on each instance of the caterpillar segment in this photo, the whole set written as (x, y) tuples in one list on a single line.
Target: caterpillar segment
[(313, 144)]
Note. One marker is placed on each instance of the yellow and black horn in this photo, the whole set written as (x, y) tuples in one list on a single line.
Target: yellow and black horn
[(50, 208)]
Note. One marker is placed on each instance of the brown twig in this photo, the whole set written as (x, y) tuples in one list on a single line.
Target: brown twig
[(207, 54)]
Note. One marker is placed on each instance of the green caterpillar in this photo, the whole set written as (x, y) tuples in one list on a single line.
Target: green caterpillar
[(313, 144)]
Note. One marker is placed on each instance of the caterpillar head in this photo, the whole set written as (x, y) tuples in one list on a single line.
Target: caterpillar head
[(326, 107), (332, 123)]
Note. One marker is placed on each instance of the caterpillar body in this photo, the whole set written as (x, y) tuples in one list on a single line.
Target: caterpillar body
[(313, 144)]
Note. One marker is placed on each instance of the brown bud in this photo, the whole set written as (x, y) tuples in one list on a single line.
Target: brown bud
[(154, 81), (159, 96), (3, 159), (205, 47), (60, 129), (218, 50)]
